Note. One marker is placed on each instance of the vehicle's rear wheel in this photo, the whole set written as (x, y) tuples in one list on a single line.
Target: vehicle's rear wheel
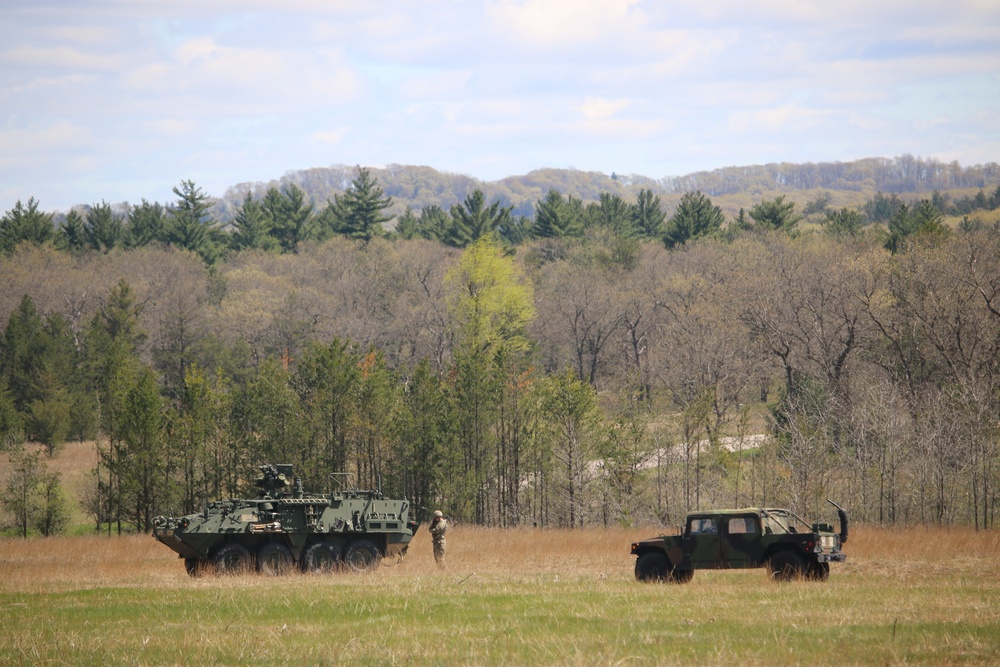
[(274, 559), (195, 567), (362, 555), (231, 558), (322, 557), (786, 566), (652, 566), (818, 571)]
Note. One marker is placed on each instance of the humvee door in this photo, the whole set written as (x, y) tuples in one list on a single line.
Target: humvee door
[(740, 539), (702, 543)]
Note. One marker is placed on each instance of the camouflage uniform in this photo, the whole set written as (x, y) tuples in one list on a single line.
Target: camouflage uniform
[(438, 527)]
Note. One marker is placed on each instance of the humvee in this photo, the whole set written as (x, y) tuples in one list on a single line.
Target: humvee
[(776, 539)]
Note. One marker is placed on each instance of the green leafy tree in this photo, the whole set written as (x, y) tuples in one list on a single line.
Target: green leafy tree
[(490, 305), (611, 212), (252, 227), (555, 217), (11, 422), (924, 224), (844, 222), (407, 225), (25, 224), (472, 220), (775, 214), (53, 509), (189, 223), (647, 214), (142, 459), (103, 228), (696, 216), (433, 223), (290, 218), (570, 421), (20, 493), (147, 224), (359, 211), (22, 354), (72, 235)]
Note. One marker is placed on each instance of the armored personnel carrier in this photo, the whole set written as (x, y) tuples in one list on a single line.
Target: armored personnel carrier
[(284, 529), (776, 539)]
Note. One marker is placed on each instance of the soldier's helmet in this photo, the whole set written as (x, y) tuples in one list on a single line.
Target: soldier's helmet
[(437, 514)]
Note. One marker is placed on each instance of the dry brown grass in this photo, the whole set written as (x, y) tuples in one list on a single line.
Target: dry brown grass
[(69, 563)]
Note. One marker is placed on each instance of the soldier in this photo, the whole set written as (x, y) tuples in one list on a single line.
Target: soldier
[(438, 527)]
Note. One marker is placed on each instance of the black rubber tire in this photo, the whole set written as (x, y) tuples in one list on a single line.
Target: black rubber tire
[(362, 556), (786, 566), (232, 558), (682, 576), (818, 571), (652, 566), (274, 559), (323, 558), (195, 567)]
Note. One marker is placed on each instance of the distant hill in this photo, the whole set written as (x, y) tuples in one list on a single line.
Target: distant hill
[(842, 183)]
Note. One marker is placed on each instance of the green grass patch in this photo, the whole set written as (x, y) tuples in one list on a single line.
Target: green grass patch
[(463, 618)]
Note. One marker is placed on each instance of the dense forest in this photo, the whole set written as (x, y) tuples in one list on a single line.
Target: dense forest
[(608, 359)]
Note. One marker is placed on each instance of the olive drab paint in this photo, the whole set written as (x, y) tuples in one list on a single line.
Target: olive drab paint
[(285, 528)]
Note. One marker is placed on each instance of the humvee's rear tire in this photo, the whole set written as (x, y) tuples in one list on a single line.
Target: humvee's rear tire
[(786, 566), (274, 559), (232, 558), (652, 566), (818, 571), (322, 557), (361, 556), (195, 567)]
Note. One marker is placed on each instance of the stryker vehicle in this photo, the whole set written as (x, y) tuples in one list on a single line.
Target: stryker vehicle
[(776, 539), (285, 528)]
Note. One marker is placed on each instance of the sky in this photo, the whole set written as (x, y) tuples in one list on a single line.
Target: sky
[(122, 100)]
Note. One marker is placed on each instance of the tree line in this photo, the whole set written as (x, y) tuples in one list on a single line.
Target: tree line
[(588, 372)]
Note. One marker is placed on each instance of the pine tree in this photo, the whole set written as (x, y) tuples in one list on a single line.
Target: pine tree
[(189, 223), (25, 224), (695, 217), (358, 212)]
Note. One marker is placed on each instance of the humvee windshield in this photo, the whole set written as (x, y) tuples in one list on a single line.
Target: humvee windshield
[(779, 522)]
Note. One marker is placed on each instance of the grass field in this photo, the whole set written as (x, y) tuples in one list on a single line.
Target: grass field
[(508, 597)]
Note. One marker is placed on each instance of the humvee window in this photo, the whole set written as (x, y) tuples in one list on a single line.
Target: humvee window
[(703, 527), (742, 526)]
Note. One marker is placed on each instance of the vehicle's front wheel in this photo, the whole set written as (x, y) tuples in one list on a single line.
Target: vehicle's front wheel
[(362, 556), (652, 566), (786, 566), (274, 559), (231, 558)]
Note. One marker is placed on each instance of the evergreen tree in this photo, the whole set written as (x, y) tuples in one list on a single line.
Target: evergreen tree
[(472, 220), (844, 222), (25, 224), (433, 223), (647, 215), (189, 223), (146, 224), (103, 228), (72, 235), (358, 213), (775, 214), (289, 217), (695, 217), (407, 226), (252, 227), (555, 217), (611, 213), (22, 354)]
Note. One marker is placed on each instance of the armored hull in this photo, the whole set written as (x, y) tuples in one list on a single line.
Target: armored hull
[(285, 529)]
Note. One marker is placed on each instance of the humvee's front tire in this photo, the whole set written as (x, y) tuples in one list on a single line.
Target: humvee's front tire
[(362, 555), (322, 557), (652, 566), (786, 566), (274, 559), (231, 558)]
